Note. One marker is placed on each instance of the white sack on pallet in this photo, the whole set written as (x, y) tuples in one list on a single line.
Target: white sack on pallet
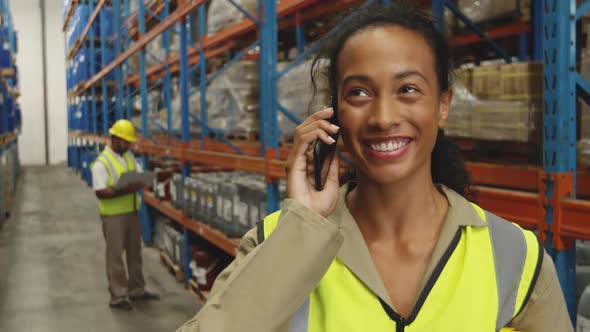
[(223, 14), (232, 100), (483, 10), (296, 94)]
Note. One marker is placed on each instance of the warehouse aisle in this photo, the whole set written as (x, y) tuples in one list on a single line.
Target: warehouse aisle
[(52, 275)]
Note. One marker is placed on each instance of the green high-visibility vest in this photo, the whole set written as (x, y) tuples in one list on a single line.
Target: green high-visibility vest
[(483, 281), (123, 204)]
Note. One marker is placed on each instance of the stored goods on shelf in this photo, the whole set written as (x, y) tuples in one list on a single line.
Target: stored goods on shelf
[(177, 191), (297, 96), (232, 202), (521, 81), (222, 13), (155, 52), (485, 10), (459, 122), (518, 120), (6, 60), (232, 100), (170, 240), (486, 82)]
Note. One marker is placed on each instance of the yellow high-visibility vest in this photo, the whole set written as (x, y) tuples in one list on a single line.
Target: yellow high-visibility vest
[(123, 204), (482, 282)]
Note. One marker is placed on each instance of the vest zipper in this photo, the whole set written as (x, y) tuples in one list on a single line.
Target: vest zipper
[(400, 325)]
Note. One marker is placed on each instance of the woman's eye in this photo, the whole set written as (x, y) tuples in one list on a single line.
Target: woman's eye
[(358, 93), (409, 89)]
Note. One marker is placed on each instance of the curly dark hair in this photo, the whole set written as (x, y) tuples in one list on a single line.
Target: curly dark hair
[(448, 167)]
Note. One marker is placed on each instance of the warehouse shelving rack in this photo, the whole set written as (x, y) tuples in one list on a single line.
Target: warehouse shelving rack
[(537, 198), (9, 86)]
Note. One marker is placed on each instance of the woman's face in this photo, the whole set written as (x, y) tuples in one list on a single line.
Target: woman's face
[(389, 103)]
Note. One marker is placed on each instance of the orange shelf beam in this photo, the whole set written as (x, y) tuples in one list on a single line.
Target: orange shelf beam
[(576, 217), (214, 236), (519, 207), (519, 177), (164, 207), (69, 13), (207, 232), (82, 37)]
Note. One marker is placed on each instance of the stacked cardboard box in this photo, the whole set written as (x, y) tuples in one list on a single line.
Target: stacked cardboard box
[(498, 102)]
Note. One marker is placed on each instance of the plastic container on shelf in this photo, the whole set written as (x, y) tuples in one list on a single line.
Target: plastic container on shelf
[(195, 192), (241, 214), (187, 195), (177, 190), (199, 197), (5, 49), (209, 189), (227, 191)]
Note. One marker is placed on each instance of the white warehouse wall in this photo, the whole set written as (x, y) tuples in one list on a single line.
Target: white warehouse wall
[(26, 15), (56, 82)]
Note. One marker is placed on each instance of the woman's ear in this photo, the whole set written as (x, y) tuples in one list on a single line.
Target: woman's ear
[(444, 107)]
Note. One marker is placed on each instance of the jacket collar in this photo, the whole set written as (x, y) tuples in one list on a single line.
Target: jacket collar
[(354, 252)]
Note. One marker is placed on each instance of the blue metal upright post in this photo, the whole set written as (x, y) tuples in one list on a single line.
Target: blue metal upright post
[(559, 128), (119, 70), (168, 78), (537, 28), (438, 12), (93, 71), (269, 129), (128, 100), (185, 123), (146, 221), (202, 74), (103, 60)]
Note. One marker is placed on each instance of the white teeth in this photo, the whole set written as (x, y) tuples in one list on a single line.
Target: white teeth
[(389, 146)]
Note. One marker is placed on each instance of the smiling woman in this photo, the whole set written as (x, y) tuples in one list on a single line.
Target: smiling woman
[(399, 248)]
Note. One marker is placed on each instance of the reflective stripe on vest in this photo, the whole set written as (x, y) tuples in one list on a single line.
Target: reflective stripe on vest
[(123, 204), (482, 282)]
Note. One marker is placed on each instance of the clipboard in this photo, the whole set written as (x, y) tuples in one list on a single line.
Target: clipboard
[(147, 178)]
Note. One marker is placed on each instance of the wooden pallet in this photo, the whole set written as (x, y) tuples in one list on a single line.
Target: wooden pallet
[(171, 266), (194, 288)]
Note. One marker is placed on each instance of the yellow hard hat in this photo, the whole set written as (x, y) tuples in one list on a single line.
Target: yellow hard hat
[(124, 129)]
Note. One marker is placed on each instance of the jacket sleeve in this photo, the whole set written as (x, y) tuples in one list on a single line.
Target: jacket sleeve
[(267, 283), (546, 310)]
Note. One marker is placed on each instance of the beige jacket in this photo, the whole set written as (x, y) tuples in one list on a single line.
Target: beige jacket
[(265, 285)]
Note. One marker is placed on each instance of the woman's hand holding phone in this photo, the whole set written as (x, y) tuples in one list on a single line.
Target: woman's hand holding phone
[(301, 184)]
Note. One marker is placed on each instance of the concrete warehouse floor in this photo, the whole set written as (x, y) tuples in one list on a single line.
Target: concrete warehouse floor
[(52, 265)]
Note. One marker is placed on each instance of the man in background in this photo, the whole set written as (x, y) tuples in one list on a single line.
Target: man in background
[(120, 221)]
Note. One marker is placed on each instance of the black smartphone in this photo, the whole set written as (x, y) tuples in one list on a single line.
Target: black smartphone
[(323, 154)]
